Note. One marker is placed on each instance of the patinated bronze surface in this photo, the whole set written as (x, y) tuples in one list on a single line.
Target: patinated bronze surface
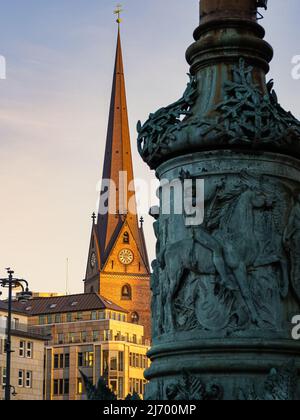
[(225, 292)]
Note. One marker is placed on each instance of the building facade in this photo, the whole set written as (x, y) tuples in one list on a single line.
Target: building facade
[(27, 358), (87, 333), (118, 265)]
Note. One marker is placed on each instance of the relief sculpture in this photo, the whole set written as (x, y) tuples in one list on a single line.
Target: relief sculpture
[(292, 243), (219, 276)]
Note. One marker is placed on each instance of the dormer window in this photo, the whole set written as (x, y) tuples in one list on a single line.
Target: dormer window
[(126, 238)]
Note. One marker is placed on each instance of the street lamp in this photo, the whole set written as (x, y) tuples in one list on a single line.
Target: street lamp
[(12, 283)]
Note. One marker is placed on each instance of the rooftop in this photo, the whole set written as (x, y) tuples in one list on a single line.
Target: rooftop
[(59, 304)]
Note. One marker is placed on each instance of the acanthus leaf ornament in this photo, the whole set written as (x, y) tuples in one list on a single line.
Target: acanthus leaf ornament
[(246, 117)]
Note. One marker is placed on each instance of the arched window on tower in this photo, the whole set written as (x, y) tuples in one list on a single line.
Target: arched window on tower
[(135, 318), (126, 238), (126, 292)]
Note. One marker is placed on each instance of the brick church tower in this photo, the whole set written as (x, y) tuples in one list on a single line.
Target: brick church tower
[(118, 266)]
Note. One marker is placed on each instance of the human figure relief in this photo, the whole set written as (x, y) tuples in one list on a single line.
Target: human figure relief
[(292, 243), (227, 244)]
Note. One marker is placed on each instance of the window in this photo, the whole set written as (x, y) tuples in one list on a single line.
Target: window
[(105, 363), (79, 386), (94, 316), (16, 323), (21, 378), (135, 318), (80, 359), (131, 386), (84, 337), (121, 388), (107, 335), (61, 361), (126, 238), (28, 382), (126, 292), (49, 319), (89, 359), (61, 386), (86, 359), (95, 335), (61, 338), (69, 317), (118, 336), (114, 361), (113, 386), (22, 349), (42, 320), (121, 361), (66, 387), (56, 361), (29, 350), (101, 315), (55, 387), (72, 337), (57, 319), (79, 316)]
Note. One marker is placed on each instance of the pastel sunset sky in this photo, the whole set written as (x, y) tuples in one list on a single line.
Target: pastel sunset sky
[(54, 109)]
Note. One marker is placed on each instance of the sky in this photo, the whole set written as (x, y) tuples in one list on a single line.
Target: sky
[(54, 109)]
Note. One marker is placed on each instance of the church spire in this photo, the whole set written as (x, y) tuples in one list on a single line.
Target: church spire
[(118, 167), (118, 266)]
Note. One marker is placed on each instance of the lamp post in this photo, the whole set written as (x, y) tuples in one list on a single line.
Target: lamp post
[(12, 283)]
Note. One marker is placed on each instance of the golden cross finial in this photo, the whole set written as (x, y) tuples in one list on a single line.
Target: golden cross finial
[(118, 12)]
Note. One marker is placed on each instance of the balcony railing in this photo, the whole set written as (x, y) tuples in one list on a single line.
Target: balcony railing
[(89, 339), (19, 328)]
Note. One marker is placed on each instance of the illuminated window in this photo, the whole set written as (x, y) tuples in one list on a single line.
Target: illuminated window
[(88, 359), (79, 387)]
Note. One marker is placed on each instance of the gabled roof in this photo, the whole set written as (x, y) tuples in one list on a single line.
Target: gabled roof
[(63, 304)]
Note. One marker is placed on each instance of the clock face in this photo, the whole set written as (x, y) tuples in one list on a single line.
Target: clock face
[(93, 260), (126, 256)]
